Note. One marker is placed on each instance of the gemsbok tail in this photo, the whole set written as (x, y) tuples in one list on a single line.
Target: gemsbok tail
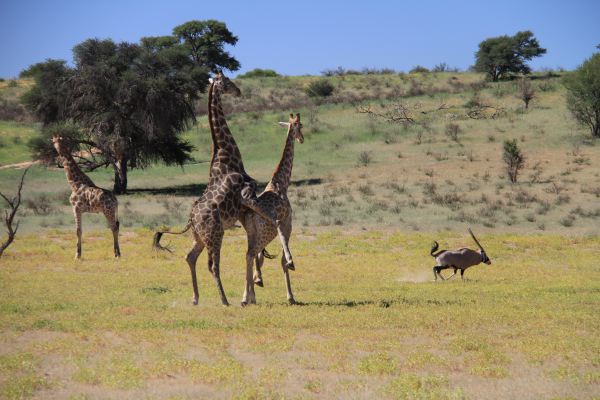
[(434, 249)]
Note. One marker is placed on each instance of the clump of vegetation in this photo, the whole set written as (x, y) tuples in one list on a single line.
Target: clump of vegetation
[(526, 91), (513, 158), (583, 94), (418, 69), (364, 158), (259, 73), (452, 130), (320, 88), (11, 110)]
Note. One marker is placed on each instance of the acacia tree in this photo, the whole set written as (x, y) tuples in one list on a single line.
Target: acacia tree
[(131, 101), (583, 94), (502, 55), (48, 98)]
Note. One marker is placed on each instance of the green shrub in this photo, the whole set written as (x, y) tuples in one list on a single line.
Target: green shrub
[(513, 158), (259, 73), (583, 89), (418, 68), (320, 88)]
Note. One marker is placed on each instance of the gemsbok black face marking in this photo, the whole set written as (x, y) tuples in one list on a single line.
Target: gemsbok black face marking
[(457, 259)]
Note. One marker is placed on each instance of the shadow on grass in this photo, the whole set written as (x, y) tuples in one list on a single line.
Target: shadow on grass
[(180, 190), (383, 303), (198, 189)]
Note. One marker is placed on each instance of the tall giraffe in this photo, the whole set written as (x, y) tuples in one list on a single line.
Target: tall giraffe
[(87, 197), (274, 199), (229, 189)]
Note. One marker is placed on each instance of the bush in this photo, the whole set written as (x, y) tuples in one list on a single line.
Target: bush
[(526, 91), (40, 204), (259, 73), (364, 158), (12, 111), (513, 158), (583, 94), (452, 130), (417, 69), (320, 88)]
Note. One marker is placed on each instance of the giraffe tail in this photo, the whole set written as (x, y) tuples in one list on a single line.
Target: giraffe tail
[(158, 235), (268, 255)]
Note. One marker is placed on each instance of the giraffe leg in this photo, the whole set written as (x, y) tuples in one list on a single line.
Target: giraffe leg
[(259, 260), (111, 217), (191, 259), (249, 294), (286, 257), (284, 244), (214, 260), (288, 284), (78, 230)]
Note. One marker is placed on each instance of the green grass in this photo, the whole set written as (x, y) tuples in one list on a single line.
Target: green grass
[(370, 324)]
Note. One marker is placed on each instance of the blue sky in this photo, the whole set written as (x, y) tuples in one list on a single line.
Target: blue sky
[(306, 37)]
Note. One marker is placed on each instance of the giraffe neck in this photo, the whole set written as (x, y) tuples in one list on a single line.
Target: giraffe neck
[(75, 175), (224, 145), (283, 173)]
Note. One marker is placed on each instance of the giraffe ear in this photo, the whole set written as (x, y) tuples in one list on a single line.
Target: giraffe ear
[(211, 80)]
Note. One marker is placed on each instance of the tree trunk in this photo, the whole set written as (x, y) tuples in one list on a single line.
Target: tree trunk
[(120, 167)]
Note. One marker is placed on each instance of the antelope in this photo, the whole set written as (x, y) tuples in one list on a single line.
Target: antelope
[(462, 258)]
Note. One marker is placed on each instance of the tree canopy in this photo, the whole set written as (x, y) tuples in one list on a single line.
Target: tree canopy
[(131, 101), (583, 94), (502, 55)]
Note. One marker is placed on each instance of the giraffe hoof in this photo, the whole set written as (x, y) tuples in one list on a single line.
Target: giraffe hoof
[(292, 302), (244, 304), (290, 266), (259, 282), (195, 302)]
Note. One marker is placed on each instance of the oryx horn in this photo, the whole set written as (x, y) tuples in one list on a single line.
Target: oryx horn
[(475, 239)]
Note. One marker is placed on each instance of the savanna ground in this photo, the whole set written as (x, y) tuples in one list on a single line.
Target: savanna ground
[(368, 198)]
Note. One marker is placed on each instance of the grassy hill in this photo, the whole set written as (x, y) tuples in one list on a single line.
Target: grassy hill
[(360, 171)]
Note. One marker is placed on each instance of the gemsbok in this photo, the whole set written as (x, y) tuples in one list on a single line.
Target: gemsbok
[(462, 258)]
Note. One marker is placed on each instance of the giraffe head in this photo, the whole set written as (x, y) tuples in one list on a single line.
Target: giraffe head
[(294, 127), (224, 85), (59, 145)]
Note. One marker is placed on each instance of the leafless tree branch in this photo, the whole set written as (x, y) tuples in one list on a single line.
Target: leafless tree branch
[(9, 216)]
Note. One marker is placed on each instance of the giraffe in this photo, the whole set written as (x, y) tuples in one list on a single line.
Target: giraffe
[(229, 189), (87, 197), (274, 198)]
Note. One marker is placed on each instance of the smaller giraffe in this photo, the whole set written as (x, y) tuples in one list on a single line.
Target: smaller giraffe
[(275, 202), (87, 197)]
